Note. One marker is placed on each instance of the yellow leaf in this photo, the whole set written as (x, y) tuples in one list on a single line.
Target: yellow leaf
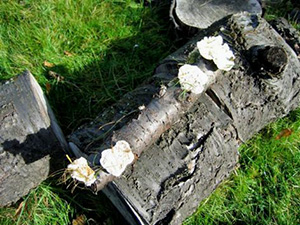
[(48, 64), (80, 220), (48, 87), (68, 53), (19, 209), (56, 76), (284, 133)]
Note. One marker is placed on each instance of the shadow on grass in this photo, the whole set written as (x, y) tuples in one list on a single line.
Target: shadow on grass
[(120, 68), (97, 209)]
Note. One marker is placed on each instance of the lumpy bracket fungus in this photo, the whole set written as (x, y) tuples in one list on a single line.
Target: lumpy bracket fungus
[(168, 144)]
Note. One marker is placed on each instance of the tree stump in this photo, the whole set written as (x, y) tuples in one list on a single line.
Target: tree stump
[(30, 138), (203, 13), (198, 149)]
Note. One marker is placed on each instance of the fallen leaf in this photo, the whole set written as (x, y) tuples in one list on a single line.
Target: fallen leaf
[(56, 76), (80, 220), (48, 88), (68, 53), (48, 64), (284, 133)]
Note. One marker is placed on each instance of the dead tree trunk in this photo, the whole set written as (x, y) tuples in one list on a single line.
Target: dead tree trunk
[(186, 143), (29, 138), (194, 154)]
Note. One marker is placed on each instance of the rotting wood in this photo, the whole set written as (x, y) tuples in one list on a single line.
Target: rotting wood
[(288, 32), (190, 159), (29, 138)]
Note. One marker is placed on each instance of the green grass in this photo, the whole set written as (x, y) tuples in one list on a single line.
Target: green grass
[(42, 206), (281, 9), (100, 35), (103, 65), (50, 203)]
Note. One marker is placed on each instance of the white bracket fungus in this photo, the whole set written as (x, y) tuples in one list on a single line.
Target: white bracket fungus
[(212, 48), (80, 170), (116, 159), (192, 78)]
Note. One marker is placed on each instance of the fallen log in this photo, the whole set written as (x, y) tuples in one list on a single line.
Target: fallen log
[(192, 145), (31, 142)]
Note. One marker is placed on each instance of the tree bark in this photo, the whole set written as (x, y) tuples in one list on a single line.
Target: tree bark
[(199, 150), (29, 138), (203, 13)]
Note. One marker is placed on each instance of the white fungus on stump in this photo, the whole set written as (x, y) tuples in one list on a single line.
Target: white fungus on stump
[(213, 48), (80, 170), (115, 160), (192, 78)]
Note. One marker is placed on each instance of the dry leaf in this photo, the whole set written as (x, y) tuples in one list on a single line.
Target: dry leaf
[(68, 53), (48, 64), (48, 87), (284, 133), (80, 220), (56, 76)]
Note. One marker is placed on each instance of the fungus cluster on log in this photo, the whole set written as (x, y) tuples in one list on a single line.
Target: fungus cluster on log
[(167, 145), (190, 140)]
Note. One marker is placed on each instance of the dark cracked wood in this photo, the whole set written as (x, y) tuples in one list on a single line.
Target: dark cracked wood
[(30, 138), (188, 161)]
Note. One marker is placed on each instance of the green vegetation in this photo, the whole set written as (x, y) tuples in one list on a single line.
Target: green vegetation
[(42, 206), (86, 55), (51, 203), (282, 8), (101, 50)]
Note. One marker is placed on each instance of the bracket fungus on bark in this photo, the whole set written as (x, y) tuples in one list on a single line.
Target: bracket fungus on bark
[(80, 170), (115, 160), (189, 144), (161, 112), (192, 78), (213, 48)]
